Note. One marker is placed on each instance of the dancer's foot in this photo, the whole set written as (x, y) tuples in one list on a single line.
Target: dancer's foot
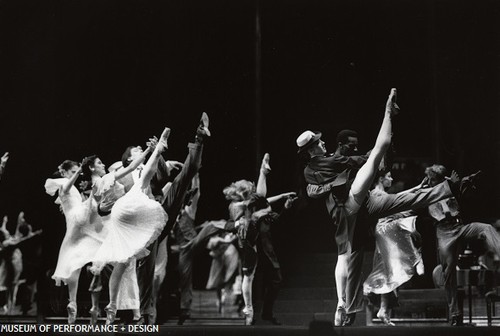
[(265, 167), (272, 319), (95, 313), (110, 313), (248, 312), (349, 319), (183, 316), (339, 317), (163, 142), (203, 130), (71, 307), (385, 318), (457, 320), (391, 104)]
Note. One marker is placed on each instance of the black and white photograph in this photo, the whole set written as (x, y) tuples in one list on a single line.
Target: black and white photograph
[(270, 167)]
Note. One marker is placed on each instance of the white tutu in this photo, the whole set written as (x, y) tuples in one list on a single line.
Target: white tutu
[(134, 223)]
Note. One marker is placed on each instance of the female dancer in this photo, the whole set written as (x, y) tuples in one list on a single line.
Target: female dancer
[(396, 257), (133, 221), (81, 240), (241, 193)]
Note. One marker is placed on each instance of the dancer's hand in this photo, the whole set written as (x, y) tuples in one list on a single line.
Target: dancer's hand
[(453, 178), (4, 159), (173, 165), (289, 201), (151, 144)]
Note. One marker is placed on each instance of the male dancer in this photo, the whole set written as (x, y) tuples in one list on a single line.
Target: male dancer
[(173, 201), (346, 195), (451, 233)]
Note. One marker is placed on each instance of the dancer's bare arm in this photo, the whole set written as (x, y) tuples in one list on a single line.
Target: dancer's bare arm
[(71, 181)]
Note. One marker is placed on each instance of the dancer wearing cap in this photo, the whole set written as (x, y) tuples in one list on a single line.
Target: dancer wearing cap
[(332, 177)]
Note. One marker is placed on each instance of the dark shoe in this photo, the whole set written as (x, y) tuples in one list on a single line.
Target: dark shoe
[(183, 317), (140, 321), (349, 319), (272, 319), (457, 320)]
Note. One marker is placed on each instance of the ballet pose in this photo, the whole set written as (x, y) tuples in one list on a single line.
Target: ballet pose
[(83, 235), (133, 221), (397, 257)]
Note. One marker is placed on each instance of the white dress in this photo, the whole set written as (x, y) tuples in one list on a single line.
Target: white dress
[(134, 223), (82, 239)]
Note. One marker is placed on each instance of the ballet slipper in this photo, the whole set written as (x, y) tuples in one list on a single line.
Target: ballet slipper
[(110, 313), (95, 312), (391, 104), (384, 317), (163, 142), (71, 308), (265, 163), (339, 316), (248, 312)]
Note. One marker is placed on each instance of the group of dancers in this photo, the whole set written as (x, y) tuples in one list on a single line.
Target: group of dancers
[(18, 259), (353, 187), (126, 215), (120, 222)]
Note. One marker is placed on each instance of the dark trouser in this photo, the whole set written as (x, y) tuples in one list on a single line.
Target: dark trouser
[(378, 207), (172, 205), (450, 242), (354, 290), (209, 229), (271, 286), (186, 278)]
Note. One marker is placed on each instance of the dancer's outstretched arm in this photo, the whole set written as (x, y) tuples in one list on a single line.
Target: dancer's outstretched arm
[(3, 162), (276, 198), (120, 173), (71, 181)]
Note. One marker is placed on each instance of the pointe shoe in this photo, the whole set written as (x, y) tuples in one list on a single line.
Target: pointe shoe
[(248, 316), (391, 104), (385, 319), (203, 127), (95, 312), (71, 308), (163, 139), (265, 162), (339, 317), (110, 313)]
